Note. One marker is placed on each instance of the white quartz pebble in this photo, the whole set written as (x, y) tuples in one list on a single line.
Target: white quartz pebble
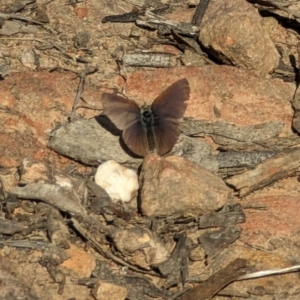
[(119, 182)]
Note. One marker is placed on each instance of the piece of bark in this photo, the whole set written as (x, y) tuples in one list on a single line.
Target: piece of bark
[(217, 240), (207, 289), (200, 11), (260, 259), (17, 6), (165, 26), (25, 244), (173, 185), (229, 215), (175, 268), (185, 43), (57, 230), (272, 144), (150, 59), (243, 159), (35, 171), (124, 18), (11, 227), (12, 16), (138, 287), (279, 5), (40, 224), (61, 197), (12, 202), (101, 203), (225, 133), (271, 170)]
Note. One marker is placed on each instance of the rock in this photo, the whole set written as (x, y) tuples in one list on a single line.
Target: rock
[(140, 246), (105, 290), (119, 182), (81, 263), (234, 33), (173, 185), (30, 59), (259, 260), (236, 93)]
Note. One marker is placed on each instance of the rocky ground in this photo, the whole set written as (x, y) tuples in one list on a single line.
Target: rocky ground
[(223, 203)]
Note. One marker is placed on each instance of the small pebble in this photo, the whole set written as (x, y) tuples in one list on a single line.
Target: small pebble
[(119, 182)]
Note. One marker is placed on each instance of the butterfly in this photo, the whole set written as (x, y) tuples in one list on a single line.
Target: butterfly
[(152, 127)]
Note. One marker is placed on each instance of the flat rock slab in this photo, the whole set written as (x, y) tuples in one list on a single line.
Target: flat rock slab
[(91, 143), (218, 93), (221, 93)]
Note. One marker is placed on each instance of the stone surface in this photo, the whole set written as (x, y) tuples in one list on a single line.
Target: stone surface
[(81, 263), (144, 247), (232, 30), (32, 108), (106, 290), (272, 219), (283, 286), (239, 96), (33, 103), (173, 185)]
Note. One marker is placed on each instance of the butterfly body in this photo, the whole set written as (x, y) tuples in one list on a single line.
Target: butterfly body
[(152, 127), (147, 117), (149, 121)]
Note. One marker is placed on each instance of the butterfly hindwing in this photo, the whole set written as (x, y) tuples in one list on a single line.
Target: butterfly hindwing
[(135, 138), (166, 134)]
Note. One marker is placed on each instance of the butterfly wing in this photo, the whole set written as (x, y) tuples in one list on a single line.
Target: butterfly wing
[(120, 111), (171, 102), (165, 135), (135, 138), (167, 108), (125, 114)]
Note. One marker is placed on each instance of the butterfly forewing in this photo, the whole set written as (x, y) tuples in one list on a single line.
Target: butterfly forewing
[(121, 111), (171, 102)]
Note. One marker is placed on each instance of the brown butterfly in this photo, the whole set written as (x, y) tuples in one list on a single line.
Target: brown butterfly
[(149, 127)]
